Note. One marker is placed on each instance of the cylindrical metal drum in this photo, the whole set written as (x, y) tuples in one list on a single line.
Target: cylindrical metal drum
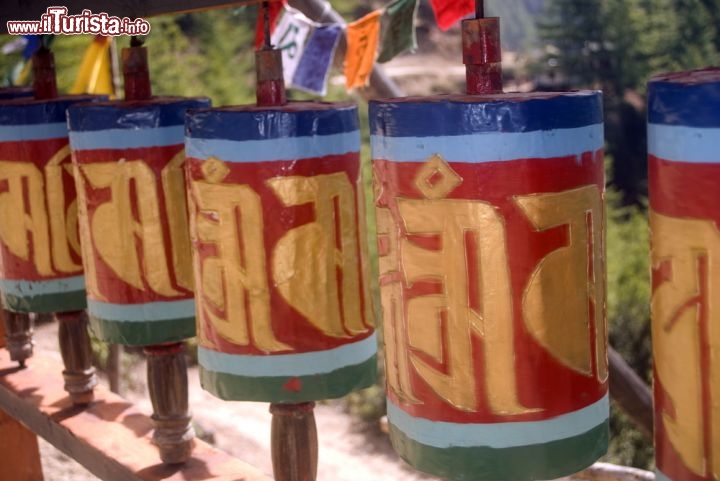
[(133, 218), (283, 313), (40, 263), (490, 220), (684, 163)]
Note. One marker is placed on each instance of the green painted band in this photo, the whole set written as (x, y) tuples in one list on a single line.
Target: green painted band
[(44, 303), (134, 333), (284, 389), (521, 463)]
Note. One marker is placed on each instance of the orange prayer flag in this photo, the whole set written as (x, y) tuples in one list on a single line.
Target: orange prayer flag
[(362, 40)]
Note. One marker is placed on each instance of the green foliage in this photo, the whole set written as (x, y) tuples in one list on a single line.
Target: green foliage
[(628, 300)]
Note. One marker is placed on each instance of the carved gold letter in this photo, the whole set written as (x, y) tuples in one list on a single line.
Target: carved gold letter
[(440, 326), (686, 337), (556, 301), (229, 217), (308, 260)]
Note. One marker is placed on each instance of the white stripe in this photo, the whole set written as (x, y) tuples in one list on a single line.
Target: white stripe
[(300, 364), (684, 144), (490, 146), (127, 138), (149, 311), (285, 148), (441, 434), (22, 288), (16, 133)]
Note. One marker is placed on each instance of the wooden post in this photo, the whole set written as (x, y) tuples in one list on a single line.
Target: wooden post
[(168, 385), (294, 442), (79, 373), (18, 444), (18, 334)]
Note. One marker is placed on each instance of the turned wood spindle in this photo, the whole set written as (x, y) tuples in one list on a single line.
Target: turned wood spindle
[(168, 386), (294, 442), (76, 351), (18, 335)]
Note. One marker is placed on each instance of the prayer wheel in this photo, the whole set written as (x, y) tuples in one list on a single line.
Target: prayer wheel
[(684, 175), (490, 221), (128, 157), (41, 268), (283, 313), (133, 218)]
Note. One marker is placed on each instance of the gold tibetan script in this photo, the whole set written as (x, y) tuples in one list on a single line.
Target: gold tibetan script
[(556, 300), (48, 226), (126, 229), (314, 266), (686, 337), (432, 335)]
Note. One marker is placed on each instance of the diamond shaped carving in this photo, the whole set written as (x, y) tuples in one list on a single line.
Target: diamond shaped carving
[(436, 179)]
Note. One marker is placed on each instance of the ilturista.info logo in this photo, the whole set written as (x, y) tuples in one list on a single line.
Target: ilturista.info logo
[(57, 21)]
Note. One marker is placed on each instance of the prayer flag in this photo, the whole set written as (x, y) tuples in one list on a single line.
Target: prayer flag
[(362, 40), (289, 38), (447, 12), (400, 29), (312, 71), (95, 74)]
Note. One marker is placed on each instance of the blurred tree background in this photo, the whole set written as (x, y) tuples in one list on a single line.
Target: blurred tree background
[(613, 45)]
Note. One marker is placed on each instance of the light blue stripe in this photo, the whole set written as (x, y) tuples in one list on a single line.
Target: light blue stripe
[(684, 144), (490, 146), (286, 148), (301, 364), (660, 476), (23, 288), (127, 138), (10, 133), (151, 311), (498, 435)]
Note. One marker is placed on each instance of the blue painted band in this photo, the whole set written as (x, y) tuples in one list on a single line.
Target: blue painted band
[(498, 435), (255, 123), (127, 138), (149, 311), (32, 112), (22, 288), (300, 364), (467, 115), (490, 146), (660, 476), (17, 133), (679, 103), (684, 144), (275, 149), (147, 114)]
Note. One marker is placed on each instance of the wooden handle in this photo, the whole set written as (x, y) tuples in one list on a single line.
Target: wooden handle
[(79, 373), (294, 442), (18, 335), (168, 386)]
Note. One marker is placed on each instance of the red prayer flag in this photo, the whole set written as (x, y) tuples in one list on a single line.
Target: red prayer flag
[(447, 12)]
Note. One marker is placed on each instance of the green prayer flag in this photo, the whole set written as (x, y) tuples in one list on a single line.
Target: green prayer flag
[(399, 32)]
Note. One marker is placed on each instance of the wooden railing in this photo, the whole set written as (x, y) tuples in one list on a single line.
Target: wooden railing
[(110, 437)]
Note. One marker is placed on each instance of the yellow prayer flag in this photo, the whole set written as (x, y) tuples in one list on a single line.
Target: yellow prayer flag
[(95, 74), (362, 40)]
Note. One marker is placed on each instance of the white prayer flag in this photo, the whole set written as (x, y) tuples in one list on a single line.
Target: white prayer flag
[(289, 37)]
